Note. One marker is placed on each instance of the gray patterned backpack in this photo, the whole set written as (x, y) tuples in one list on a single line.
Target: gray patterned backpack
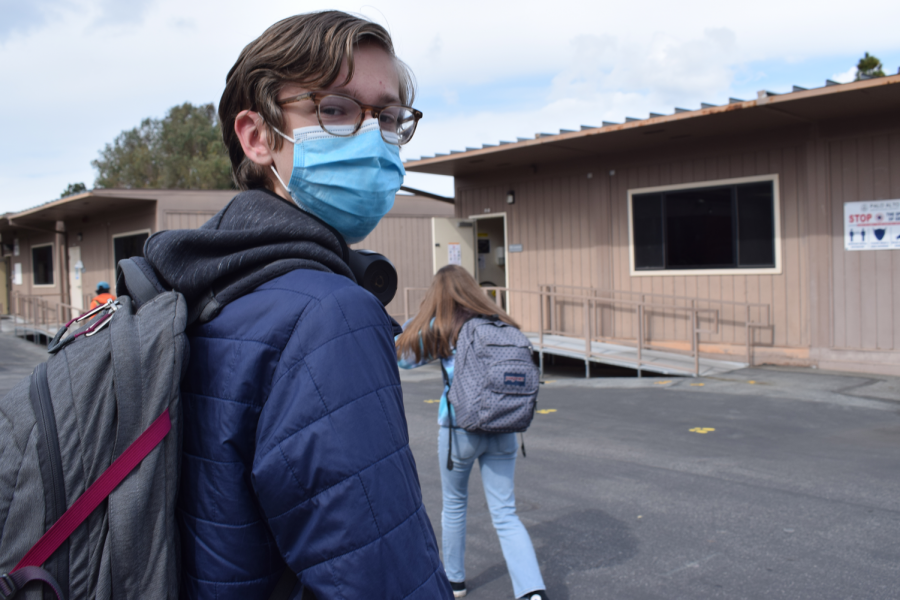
[(495, 381)]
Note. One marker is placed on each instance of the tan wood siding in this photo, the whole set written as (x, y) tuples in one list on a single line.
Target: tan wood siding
[(187, 220), (406, 241), (866, 283), (574, 230)]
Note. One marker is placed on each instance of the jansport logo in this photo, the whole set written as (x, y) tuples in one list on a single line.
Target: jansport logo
[(514, 379)]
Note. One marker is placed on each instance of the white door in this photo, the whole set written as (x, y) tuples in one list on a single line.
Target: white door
[(76, 278), (454, 243)]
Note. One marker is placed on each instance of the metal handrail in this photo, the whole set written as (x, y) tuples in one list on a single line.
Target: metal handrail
[(694, 312), (39, 315), (748, 323), (656, 294)]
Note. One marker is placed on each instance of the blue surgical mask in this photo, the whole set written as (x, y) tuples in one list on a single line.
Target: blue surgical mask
[(348, 182)]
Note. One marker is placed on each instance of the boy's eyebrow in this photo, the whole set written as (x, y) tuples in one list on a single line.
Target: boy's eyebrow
[(383, 100)]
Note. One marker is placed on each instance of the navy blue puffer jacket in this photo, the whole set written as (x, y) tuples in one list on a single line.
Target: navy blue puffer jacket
[(295, 444)]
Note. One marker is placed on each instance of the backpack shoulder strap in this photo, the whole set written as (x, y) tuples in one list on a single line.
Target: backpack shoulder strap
[(444, 373), (90, 499), (135, 278)]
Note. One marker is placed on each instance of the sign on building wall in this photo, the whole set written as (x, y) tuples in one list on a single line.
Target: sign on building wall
[(454, 254), (872, 225), (17, 274)]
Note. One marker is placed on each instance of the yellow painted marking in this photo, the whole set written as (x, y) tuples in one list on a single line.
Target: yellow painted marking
[(640, 516), (432, 401), (751, 382), (697, 384), (703, 430), (549, 381), (546, 411), (662, 382)]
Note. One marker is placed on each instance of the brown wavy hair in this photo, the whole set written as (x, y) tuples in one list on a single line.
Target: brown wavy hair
[(307, 50), (453, 298)]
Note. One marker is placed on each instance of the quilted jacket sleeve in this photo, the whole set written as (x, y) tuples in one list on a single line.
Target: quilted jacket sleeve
[(333, 470)]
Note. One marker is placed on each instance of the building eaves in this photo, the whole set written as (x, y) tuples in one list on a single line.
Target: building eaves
[(764, 98)]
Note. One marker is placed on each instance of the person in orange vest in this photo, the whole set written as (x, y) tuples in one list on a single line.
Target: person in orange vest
[(103, 296)]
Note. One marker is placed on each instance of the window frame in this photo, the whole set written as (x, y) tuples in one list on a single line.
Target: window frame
[(125, 234), (32, 248), (776, 207)]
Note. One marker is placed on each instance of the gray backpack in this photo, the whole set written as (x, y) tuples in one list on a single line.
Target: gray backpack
[(495, 381), (90, 454)]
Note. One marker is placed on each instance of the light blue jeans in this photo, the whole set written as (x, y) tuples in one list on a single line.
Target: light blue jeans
[(496, 454)]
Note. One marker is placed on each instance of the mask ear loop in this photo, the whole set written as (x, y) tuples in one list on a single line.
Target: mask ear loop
[(272, 166), (277, 176)]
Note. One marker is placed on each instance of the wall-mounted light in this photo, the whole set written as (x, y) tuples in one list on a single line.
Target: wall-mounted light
[(510, 197)]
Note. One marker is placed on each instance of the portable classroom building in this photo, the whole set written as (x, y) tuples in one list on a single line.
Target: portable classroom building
[(758, 210)]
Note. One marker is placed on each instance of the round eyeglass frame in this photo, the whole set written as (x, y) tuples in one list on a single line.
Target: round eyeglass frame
[(318, 97)]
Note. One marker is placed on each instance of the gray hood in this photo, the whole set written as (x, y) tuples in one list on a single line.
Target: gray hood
[(257, 237)]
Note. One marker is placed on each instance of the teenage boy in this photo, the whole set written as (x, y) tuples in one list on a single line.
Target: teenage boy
[(296, 456)]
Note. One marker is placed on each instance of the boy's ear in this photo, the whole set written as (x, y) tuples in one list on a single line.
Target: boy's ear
[(253, 134)]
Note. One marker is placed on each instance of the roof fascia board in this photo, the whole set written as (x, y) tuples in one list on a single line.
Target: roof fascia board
[(34, 211), (425, 194), (49, 205)]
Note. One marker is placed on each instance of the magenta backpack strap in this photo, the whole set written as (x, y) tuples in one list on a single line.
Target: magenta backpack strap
[(28, 568)]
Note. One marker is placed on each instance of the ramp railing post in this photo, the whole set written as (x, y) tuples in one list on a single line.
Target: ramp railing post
[(695, 334), (552, 315), (693, 327), (749, 340), (587, 338), (640, 336), (541, 330)]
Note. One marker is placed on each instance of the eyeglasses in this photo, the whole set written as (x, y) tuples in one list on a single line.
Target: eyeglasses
[(335, 112)]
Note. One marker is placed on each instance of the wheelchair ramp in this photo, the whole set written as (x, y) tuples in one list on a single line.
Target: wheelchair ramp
[(653, 361)]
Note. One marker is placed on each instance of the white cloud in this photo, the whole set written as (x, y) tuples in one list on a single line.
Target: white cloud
[(667, 68), (845, 77)]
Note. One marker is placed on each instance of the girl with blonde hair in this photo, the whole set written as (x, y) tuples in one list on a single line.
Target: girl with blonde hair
[(453, 298)]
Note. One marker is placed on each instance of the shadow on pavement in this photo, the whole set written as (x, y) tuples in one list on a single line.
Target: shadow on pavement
[(574, 543)]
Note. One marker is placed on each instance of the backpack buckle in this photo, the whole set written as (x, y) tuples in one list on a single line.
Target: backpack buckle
[(8, 587)]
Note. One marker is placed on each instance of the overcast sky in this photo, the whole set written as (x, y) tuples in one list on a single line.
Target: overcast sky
[(75, 73)]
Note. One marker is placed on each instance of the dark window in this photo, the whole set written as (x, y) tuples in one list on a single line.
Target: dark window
[(647, 215), (756, 225), (128, 246), (721, 227), (42, 265)]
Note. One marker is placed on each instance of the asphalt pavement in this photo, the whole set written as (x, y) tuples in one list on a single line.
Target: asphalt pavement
[(768, 483), (763, 484), (18, 359)]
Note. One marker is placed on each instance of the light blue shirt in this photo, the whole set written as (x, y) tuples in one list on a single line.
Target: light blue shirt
[(446, 414)]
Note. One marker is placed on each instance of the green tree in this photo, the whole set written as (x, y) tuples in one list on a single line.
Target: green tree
[(72, 189), (868, 67), (182, 150)]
